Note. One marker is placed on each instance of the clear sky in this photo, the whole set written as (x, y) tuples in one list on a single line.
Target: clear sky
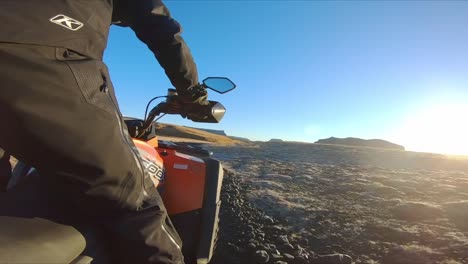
[(305, 70)]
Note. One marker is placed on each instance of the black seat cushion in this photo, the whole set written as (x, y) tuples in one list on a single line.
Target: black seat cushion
[(35, 225), (37, 240)]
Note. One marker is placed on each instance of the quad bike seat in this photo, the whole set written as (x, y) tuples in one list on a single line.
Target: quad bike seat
[(23, 240), (33, 231)]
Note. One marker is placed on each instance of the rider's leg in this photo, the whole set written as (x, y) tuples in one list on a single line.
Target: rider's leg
[(5, 169), (64, 120)]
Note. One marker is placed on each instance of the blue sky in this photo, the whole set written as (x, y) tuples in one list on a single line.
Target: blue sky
[(305, 70)]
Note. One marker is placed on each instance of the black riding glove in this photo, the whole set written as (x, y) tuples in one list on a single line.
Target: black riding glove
[(192, 101), (194, 95)]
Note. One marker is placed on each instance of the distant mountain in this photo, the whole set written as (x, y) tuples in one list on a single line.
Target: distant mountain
[(182, 132), (221, 133), (350, 141), (275, 140), (213, 131), (240, 138)]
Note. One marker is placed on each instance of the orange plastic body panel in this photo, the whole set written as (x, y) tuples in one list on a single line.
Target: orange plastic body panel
[(153, 142), (183, 187), (148, 152)]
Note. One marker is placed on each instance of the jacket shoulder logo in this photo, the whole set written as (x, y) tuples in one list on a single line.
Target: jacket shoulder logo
[(67, 22)]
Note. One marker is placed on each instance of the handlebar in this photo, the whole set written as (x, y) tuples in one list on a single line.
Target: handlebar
[(210, 113)]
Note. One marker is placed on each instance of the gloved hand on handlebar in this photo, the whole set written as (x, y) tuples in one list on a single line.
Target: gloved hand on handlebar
[(193, 101), (194, 95)]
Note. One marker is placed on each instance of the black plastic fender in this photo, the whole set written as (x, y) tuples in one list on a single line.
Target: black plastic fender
[(210, 210), (198, 229)]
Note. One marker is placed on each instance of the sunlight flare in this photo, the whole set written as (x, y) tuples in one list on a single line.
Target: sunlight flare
[(438, 129)]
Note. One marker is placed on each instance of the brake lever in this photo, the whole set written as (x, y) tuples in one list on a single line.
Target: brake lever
[(157, 110)]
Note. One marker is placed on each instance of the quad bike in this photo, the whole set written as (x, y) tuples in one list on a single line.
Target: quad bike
[(190, 187)]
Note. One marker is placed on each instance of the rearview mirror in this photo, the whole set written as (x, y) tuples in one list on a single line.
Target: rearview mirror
[(219, 84)]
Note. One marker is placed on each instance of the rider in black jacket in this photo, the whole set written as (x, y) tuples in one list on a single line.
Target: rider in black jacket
[(62, 115)]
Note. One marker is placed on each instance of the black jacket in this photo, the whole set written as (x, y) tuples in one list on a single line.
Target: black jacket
[(83, 26)]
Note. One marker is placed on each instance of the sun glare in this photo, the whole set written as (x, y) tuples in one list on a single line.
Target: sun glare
[(439, 129)]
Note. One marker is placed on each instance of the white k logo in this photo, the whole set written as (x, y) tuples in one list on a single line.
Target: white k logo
[(67, 22)]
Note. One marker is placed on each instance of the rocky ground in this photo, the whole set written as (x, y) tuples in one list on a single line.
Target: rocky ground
[(293, 203), (249, 235)]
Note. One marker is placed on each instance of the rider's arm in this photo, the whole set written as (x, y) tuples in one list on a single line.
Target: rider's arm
[(152, 23)]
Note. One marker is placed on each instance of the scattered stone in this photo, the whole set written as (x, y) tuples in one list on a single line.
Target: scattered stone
[(251, 246), (287, 247), (300, 252), (333, 259), (275, 228), (415, 254), (268, 219), (288, 257), (262, 256), (276, 256), (301, 260), (283, 240), (273, 246), (236, 249), (304, 241)]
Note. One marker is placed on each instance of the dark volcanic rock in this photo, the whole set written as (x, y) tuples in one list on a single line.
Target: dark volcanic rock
[(288, 257), (261, 256), (408, 254), (252, 246), (283, 240), (333, 259), (357, 142), (248, 235), (370, 205), (413, 211), (458, 213)]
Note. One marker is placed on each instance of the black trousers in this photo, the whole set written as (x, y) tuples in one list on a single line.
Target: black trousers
[(59, 113), (5, 169)]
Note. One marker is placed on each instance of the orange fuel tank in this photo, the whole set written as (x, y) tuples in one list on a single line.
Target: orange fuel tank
[(183, 186)]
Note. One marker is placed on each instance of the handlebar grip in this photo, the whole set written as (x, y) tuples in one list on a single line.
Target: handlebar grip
[(211, 113)]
